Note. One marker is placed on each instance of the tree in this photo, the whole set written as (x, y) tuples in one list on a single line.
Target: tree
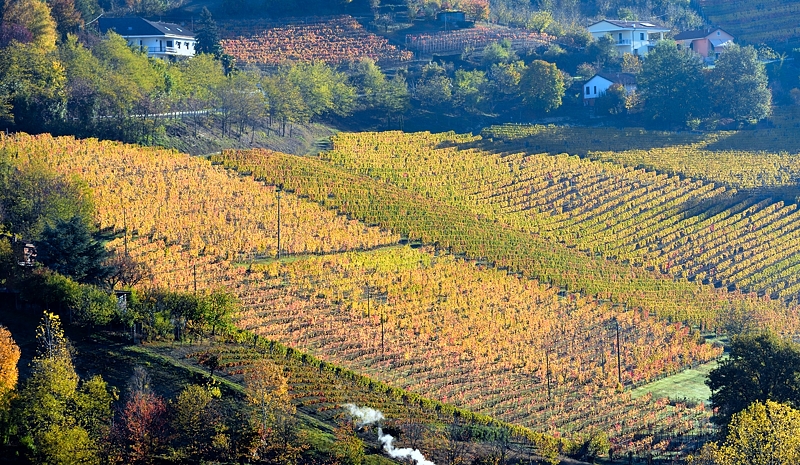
[(32, 195), (542, 86), (34, 16), (196, 421), (216, 309), (348, 448), (142, 427), (9, 356), (765, 433), (612, 101), (67, 18), (672, 85), (68, 248), (32, 85), (324, 89), (603, 52), (738, 85), (65, 420), (434, 87), (498, 52), (208, 35), (761, 367), (469, 89)]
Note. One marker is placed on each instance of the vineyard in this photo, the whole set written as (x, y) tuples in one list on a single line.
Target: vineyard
[(459, 319), (477, 338), (688, 229), (332, 40), (187, 214), (474, 38), (754, 22), (762, 159), (461, 230)]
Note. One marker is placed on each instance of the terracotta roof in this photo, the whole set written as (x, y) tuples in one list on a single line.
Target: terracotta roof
[(686, 35), (142, 27)]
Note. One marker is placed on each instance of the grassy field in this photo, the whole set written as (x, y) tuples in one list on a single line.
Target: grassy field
[(688, 385)]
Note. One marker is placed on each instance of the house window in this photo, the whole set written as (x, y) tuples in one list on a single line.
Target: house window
[(641, 36), (595, 90), (169, 43), (186, 44), (179, 44), (587, 90), (620, 37)]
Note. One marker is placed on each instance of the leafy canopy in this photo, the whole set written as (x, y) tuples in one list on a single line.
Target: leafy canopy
[(761, 367)]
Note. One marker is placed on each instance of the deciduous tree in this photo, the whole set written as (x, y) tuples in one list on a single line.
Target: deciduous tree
[(738, 85), (761, 367), (672, 85), (542, 86), (9, 356)]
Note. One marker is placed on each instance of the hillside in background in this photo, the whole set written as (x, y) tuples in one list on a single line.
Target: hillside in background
[(773, 22)]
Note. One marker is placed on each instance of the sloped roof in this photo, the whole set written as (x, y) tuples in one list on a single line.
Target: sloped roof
[(632, 24), (700, 34), (625, 79), (142, 27)]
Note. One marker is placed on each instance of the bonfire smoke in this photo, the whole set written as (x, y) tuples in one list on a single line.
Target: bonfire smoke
[(366, 415), (404, 453)]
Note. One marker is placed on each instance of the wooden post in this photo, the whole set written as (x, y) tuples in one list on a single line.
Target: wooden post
[(619, 358), (278, 192)]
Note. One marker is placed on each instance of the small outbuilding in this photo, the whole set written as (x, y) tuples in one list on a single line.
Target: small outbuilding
[(451, 16)]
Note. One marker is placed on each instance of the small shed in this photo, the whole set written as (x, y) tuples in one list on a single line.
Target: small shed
[(451, 16)]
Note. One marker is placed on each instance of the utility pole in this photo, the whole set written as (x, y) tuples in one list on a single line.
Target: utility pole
[(619, 358), (278, 190), (383, 357), (194, 272), (547, 367), (125, 227)]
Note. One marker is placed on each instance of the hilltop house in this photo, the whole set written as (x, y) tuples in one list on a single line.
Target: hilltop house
[(634, 37), (708, 43), (166, 41), (600, 82)]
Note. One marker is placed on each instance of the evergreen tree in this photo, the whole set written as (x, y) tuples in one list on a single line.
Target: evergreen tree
[(68, 248), (208, 35)]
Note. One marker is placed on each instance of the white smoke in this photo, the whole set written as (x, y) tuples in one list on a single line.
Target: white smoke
[(404, 453), (368, 415), (365, 415)]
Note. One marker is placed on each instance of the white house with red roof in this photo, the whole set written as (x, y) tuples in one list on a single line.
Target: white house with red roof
[(634, 37)]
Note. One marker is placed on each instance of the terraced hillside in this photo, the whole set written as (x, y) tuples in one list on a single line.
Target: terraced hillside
[(754, 22), (333, 40), (190, 218), (425, 304), (692, 230), (480, 339)]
